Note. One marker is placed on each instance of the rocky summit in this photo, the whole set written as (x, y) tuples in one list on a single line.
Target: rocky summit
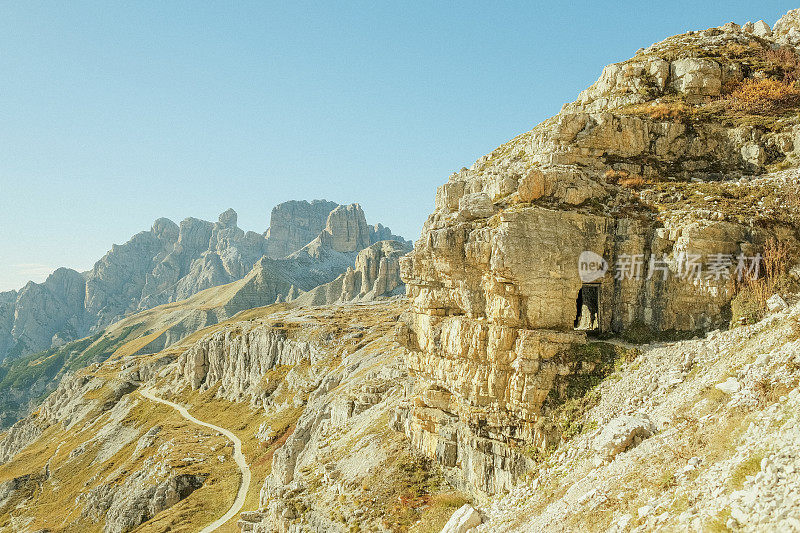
[(597, 330)]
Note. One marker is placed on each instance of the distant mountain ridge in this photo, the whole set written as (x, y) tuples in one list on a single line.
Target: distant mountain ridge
[(171, 262)]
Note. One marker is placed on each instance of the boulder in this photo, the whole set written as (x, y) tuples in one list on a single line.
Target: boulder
[(729, 386), (532, 186), (775, 303), (697, 79), (475, 205), (621, 433), (464, 519), (754, 153), (448, 196), (762, 29)]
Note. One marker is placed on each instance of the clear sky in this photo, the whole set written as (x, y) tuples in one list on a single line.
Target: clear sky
[(114, 114)]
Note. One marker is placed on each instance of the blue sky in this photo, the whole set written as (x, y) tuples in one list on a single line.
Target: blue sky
[(114, 114)]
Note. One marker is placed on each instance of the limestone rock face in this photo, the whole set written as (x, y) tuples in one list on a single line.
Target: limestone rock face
[(494, 279), (64, 406), (114, 283), (239, 359), (172, 262), (8, 301), (294, 224), (39, 311), (786, 29), (621, 84), (126, 507), (346, 229)]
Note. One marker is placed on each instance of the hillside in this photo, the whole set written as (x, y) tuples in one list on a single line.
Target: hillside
[(309, 392), (699, 435)]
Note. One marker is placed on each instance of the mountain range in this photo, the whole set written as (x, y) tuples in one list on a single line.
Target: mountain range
[(311, 243)]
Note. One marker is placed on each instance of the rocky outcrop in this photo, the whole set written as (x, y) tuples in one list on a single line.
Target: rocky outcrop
[(463, 520), (126, 507), (18, 437), (65, 406), (786, 30), (376, 273), (346, 229), (379, 233), (294, 224), (495, 277), (48, 314), (339, 443), (238, 358), (173, 262)]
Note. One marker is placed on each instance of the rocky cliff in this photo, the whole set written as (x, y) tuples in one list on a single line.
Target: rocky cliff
[(172, 262), (637, 170), (294, 224)]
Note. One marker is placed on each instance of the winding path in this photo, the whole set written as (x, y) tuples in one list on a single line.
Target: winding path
[(238, 456)]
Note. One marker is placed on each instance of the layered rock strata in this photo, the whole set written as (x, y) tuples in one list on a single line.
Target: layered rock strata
[(494, 279)]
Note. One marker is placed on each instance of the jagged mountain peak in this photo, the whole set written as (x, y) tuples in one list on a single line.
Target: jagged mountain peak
[(228, 218), (166, 229)]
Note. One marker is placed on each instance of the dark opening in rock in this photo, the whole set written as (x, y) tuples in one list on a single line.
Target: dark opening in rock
[(587, 305)]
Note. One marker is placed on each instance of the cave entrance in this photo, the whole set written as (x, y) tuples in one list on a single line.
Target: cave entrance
[(587, 317)]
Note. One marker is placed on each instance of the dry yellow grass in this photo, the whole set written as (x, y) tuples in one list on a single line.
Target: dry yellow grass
[(763, 97), (51, 501), (244, 422), (71, 476), (623, 178)]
